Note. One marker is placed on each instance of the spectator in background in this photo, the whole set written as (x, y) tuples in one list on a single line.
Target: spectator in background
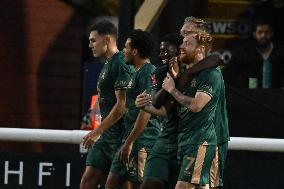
[(258, 64), (272, 9)]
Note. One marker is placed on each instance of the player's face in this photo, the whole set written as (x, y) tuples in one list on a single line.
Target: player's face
[(167, 51), (187, 28), (188, 49), (263, 35), (128, 55), (97, 44)]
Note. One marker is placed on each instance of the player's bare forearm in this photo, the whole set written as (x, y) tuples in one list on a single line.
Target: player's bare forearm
[(115, 114), (195, 104), (140, 124), (158, 112), (182, 99)]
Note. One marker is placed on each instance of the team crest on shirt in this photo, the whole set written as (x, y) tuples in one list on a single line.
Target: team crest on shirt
[(208, 88), (193, 83), (130, 84)]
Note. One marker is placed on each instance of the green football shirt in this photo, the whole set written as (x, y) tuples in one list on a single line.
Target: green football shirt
[(198, 128), (221, 118), (139, 82), (114, 75), (169, 131)]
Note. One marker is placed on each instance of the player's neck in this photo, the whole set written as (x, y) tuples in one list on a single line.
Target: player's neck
[(111, 50), (139, 62)]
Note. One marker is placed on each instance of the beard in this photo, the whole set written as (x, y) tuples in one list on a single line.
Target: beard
[(185, 59), (128, 60), (263, 44)]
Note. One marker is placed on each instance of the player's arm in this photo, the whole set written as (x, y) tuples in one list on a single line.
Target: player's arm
[(144, 102), (160, 98), (194, 104), (140, 124), (115, 114), (211, 61)]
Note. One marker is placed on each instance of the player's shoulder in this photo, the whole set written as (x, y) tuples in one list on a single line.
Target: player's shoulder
[(119, 56), (212, 74), (147, 69), (119, 61), (161, 70)]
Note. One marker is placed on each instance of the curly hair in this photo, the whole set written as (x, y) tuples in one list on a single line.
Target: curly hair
[(200, 23), (203, 38), (142, 41)]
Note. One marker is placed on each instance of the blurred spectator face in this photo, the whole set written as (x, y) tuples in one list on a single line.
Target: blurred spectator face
[(97, 44), (188, 49), (263, 35), (128, 52), (186, 28), (167, 51)]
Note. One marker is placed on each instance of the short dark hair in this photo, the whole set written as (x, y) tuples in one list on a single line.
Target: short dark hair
[(173, 39), (105, 27), (261, 22), (142, 41)]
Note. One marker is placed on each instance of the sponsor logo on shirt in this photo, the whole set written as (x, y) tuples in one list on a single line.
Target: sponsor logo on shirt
[(154, 80)]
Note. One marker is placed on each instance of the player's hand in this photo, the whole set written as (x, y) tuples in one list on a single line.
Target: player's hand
[(168, 83), (124, 153), (143, 100), (174, 67), (90, 138)]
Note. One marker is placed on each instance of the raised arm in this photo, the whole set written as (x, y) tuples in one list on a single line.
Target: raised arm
[(194, 104), (144, 102), (209, 62)]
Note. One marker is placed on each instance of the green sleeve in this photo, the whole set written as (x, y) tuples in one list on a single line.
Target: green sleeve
[(145, 82), (121, 74), (210, 82)]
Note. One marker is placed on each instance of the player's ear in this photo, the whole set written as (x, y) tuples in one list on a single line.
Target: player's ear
[(107, 39), (201, 49), (135, 52)]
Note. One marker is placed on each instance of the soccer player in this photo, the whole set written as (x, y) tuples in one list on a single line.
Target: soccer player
[(161, 168), (111, 87), (190, 23), (197, 138), (141, 130), (222, 132), (159, 172), (221, 119)]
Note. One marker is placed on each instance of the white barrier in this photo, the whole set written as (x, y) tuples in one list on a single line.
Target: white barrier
[(257, 144), (42, 135), (75, 137)]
